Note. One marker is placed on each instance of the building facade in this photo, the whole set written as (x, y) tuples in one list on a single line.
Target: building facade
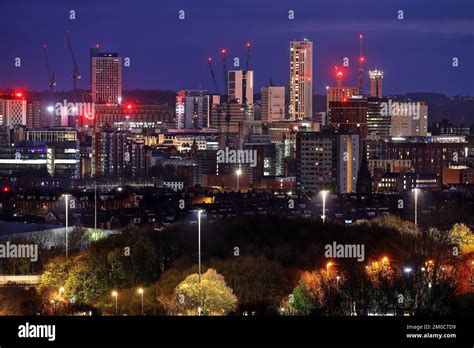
[(240, 86), (327, 160), (192, 109), (301, 80), (273, 104), (106, 77)]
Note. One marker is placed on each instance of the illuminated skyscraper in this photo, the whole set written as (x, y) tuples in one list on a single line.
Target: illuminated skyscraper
[(301, 79), (106, 77), (376, 77)]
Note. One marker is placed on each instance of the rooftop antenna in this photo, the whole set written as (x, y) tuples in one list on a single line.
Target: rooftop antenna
[(361, 64)]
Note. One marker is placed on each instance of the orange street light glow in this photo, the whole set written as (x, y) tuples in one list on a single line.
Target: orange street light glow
[(328, 265)]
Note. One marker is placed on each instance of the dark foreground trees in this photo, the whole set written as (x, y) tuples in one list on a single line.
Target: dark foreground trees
[(273, 265)]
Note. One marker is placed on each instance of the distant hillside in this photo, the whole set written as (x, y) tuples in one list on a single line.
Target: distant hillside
[(459, 109)]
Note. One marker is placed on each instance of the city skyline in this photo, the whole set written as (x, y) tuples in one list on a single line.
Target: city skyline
[(403, 49), (307, 160)]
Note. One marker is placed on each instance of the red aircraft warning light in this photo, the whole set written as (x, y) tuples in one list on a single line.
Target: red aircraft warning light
[(339, 76), (6, 189), (223, 51), (19, 94), (129, 106), (209, 59), (247, 44)]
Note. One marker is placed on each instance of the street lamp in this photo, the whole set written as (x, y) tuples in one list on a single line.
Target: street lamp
[(472, 264), (324, 194), (328, 265), (61, 291), (95, 207), (141, 291), (66, 196), (199, 244), (337, 282), (416, 191), (115, 295), (407, 270), (238, 172)]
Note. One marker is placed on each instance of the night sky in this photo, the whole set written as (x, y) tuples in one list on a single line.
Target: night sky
[(167, 53)]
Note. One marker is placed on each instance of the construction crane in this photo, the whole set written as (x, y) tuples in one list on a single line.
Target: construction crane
[(51, 75), (227, 109), (247, 64), (209, 60), (76, 75), (361, 64)]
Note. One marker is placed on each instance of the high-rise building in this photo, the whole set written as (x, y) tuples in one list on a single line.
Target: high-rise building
[(378, 126), (301, 80), (41, 114), (106, 77), (376, 77), (114, 155), (340, 94), (408, 118), (52, 151), (152, 116), (13, 110), (327, 160), (49, 135), (273, 104), (349, 116), (240, 88), (192, 109), (420, 124), (378, 122), (428, 154), (237, 113)]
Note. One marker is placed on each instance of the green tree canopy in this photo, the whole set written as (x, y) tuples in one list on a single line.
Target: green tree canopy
[(212, 296)]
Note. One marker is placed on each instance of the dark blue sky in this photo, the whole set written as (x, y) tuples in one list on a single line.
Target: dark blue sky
[(168, 53)]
